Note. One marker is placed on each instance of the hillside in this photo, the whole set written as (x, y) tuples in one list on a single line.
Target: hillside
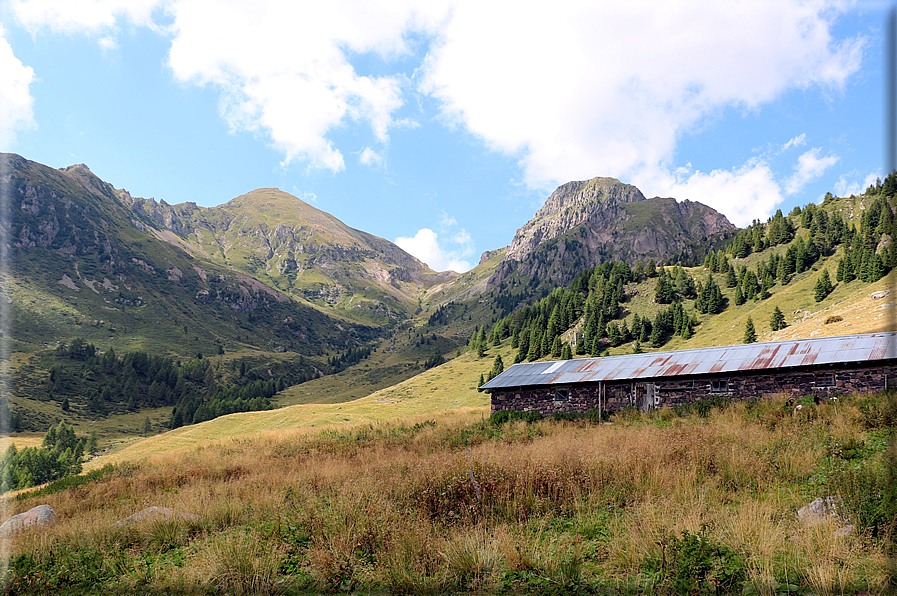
[(670, 502), (298, 249)]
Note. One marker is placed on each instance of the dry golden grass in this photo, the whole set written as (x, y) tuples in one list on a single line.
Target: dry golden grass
[(395, 506)]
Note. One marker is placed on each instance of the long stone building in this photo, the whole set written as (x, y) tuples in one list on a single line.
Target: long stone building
[(799, 367)]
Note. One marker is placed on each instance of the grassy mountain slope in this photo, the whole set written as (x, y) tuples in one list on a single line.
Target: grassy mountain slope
[(300, 250)]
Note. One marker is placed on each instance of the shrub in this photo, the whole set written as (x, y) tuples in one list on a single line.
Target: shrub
[(695, 564), (503, 416)]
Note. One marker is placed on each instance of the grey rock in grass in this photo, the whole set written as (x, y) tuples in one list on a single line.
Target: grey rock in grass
[(156, 513), (41, 516), (817, 511), (846, 531), (821, 510)]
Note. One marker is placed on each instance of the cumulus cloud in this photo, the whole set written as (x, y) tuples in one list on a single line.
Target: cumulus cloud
[(570, 90), (284, 68), (798, 141), (425, 246), (15, 95), (575, 88), (849, 184), (370, 158), (78, 16), (743, 193), (810, 166), (441, 255)]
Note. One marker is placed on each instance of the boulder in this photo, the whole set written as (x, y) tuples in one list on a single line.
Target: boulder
[(157, 513), (817, 511), (38, 517)]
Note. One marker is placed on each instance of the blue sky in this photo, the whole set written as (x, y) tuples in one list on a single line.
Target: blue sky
[(444, 125)]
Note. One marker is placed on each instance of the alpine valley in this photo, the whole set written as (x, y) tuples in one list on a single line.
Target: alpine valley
[(130, 316)]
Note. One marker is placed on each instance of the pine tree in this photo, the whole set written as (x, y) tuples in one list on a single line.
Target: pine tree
[(91, 445), (556, 347), (498, 367), (637, 347), (750, 335), (566, 352), (823, 286), (480, 383), (777, 321), (731, 280)]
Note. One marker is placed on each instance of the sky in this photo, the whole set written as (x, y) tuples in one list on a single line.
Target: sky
[(443, 125)]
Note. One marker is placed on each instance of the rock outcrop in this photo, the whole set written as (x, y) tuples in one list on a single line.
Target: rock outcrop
[(41, 516), (583, 224)]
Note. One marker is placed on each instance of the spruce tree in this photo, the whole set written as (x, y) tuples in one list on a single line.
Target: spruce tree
[(498, 367), (823, 286), (556, 347), (480, 383), (566, 352), (777, 321), (750, 335)]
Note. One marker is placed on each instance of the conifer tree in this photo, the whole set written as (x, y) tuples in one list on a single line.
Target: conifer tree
[(556, 347), (731, 280), (777, 321), (566, 352), (480, 383), (823, 286), (750, 335), (498, 366)]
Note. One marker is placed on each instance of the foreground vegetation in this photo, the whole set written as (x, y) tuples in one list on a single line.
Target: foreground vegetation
[(695, 500)]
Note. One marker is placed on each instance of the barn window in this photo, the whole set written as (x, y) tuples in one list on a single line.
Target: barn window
[(721, 386), (825, 380), (561, 394)]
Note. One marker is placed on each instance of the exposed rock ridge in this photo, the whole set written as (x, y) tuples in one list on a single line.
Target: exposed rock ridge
[(583, 224), (568, 206)]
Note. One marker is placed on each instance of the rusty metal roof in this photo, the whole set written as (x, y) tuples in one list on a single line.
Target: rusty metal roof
[(702, 361)]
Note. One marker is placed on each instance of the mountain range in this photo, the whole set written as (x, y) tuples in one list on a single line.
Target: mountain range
[(267, 278)]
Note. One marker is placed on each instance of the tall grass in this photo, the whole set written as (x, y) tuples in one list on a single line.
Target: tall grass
[(704, 500)]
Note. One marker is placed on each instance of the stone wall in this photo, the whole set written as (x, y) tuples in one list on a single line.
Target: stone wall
[(672, 391)]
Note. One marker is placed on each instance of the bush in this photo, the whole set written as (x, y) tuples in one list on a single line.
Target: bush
[(695, 564), (503, 416)]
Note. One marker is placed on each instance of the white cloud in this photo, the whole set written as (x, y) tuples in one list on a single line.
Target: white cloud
[(743, 194), (78, 16), (570, 90), (798, 141), (15, 95), (441, 255), (810, 166), (848, 184), (284, 68), (370, 158), (578, 88), (425, 246)]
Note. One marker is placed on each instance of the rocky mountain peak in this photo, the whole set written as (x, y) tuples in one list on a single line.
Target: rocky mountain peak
[(570, 205)]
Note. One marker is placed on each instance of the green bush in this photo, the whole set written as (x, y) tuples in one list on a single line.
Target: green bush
[(695, 564), (503, 416)]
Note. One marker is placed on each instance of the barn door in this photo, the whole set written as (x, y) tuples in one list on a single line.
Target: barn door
[(644, 393)]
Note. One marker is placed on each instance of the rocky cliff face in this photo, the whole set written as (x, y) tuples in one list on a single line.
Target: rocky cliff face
[(585, 223)]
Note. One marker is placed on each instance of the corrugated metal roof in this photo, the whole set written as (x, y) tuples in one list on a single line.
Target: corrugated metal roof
[(700, 361)]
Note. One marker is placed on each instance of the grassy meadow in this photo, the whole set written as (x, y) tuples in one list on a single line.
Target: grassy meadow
[(687, 501)]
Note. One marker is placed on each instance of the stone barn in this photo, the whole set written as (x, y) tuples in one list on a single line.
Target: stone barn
[(798, 367)]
